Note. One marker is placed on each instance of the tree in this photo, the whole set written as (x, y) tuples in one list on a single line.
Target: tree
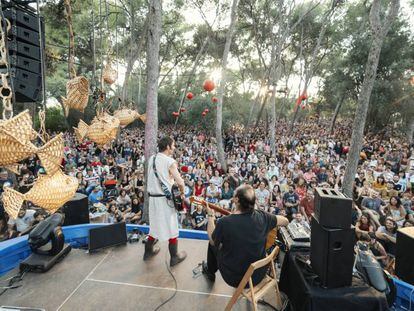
[(379, 30), (219, 122), (153, 51)]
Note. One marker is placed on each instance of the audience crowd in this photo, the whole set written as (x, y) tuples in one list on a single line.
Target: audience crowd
[(309, 157)]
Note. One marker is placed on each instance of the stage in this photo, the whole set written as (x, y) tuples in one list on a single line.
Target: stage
[(118, 279)]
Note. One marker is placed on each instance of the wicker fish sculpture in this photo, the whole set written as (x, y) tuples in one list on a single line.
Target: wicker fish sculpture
[(102, 130), (16, 135), (49, 192), (77, 94), (126, 116)]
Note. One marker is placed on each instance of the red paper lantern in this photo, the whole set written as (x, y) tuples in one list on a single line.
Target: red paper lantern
[(208, 85), (304, 96), (182, 109), (175, 114), (203, 113), (190, 95), (214, 99), (206, 110)]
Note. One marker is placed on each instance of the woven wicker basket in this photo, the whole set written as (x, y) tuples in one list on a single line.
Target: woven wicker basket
[(102, 130), (109, 74), (143, 117), (77, 94), (15, 139), (49, 192), (126, 116)]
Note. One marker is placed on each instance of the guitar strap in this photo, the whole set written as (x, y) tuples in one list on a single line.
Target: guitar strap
[(164, 188)]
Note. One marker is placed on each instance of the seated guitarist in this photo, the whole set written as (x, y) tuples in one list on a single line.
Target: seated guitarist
[(239, 239)]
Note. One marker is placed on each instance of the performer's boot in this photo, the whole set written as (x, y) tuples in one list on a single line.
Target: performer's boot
[(150, 249), (211, 276), (176, 257)]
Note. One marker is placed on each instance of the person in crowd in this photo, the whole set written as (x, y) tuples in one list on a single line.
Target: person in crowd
[(212, 193), (96, 195), (263, 197), (291, 202), (387, 235), (395, 210), (25, 219), (226, 195), (365, 225), (123, 201), (299, 220), (199, 218), (307, 205), (228, 250), (276, 200)]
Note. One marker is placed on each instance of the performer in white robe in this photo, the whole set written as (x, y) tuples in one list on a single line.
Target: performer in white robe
[(163, 216)]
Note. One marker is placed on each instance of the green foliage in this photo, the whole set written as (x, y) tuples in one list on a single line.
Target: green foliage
[(54, 121)]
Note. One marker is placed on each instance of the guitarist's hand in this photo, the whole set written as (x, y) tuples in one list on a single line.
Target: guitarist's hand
[(208, 209)]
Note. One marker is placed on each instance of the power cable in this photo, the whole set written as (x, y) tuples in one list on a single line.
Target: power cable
[(175, 286)]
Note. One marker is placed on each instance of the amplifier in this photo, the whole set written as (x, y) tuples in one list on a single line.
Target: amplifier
[(22, 48), (25, 63), (332, 208), (24, 34), (22, 17)]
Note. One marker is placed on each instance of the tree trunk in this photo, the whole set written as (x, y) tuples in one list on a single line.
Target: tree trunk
[(187, 84), (410, 131), (153, 51), (256, 100), (335, 115), (259, 115), (220, 93), (71, 58), (132, 58), (379, 32), (311, 69)]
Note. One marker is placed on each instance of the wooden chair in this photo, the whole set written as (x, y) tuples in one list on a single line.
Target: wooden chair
[(254, 293)]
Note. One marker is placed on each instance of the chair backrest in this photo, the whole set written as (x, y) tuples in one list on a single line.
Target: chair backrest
[(265, 261)]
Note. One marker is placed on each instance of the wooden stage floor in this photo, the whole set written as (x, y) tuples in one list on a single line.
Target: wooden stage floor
[(118, 279)]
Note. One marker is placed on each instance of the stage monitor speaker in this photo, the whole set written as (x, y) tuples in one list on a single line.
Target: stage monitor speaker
[(109, 235), (404, 259), (76, 210), (332, 208), (332, 254)]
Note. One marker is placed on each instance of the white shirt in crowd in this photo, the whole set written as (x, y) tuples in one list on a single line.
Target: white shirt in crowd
[(23, 223)]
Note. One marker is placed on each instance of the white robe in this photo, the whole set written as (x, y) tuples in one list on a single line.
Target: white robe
[(163, 218)]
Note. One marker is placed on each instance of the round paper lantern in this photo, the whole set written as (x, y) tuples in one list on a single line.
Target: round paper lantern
[(203, 113), (214, 99), (345, 149), (190, 95), (175, 114), (182, 109), (206, 110), (208, 85)]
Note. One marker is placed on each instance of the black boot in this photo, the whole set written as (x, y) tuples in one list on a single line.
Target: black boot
[(211, 276), (150, 249), (176, 257)]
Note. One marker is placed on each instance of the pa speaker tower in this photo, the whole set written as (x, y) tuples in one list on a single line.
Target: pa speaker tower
[(24, 49)]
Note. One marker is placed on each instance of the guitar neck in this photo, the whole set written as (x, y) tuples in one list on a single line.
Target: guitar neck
[(215, 207)]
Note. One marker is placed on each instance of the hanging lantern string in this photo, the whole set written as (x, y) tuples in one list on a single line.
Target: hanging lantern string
[(43, 135)]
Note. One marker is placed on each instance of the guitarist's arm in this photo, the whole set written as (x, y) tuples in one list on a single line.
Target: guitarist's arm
[(177, 177), (210, 223)]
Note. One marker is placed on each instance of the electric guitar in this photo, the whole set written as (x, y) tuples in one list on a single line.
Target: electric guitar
[(271, 236)]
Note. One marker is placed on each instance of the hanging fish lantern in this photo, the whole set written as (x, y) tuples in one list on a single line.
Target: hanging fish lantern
[(16, 135), (109, 74), (77, 94), (126, 116), (49, 192), (143, 118), (102, 130)]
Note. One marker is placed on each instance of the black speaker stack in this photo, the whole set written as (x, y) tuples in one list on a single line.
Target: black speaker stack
[(404, 257), (24, 49), (332, 238)]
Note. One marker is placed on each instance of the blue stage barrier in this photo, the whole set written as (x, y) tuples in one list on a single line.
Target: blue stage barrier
[(14, 251)]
